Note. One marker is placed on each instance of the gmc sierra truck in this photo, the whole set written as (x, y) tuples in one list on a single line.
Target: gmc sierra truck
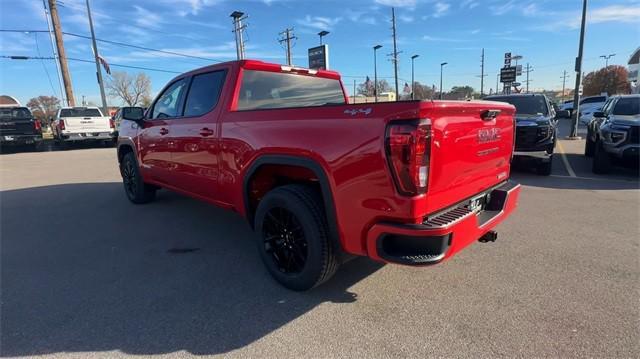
[(18, 127), (83, 124), (320, 180)]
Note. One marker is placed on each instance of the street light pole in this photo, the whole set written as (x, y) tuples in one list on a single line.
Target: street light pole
[(413, 82), (322, 34), (606, 59), (375, 72), (576, 91), (441, 66)]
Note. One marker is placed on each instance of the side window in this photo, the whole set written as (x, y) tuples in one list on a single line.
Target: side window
[(204, 93), (607, 106), (169, 103)]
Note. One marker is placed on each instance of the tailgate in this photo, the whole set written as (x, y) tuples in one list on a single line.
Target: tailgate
[(469, 154), (86, 124), (10, 127)]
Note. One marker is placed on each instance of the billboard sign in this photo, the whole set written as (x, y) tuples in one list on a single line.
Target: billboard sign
[(319, 57), (508, 74), (507, 59)]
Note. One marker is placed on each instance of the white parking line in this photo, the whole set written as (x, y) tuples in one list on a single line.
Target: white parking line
[(567, 165)]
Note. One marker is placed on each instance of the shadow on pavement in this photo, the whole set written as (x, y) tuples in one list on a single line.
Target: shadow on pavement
[(83, 270), (52, 146)]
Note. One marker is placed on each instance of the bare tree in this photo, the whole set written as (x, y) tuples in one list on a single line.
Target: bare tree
[(44, 107), (133, 91)]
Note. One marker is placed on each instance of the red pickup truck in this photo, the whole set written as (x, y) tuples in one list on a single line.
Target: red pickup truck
[(318, 179)]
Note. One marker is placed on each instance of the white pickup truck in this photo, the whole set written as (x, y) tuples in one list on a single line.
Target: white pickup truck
[(73, 124)]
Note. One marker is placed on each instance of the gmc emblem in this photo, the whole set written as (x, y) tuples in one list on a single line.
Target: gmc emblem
[(488, 135)]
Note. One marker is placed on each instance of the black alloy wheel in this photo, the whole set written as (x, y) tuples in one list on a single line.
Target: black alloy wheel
[(284, 240)]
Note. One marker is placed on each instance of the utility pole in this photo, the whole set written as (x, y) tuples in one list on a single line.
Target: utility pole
[(394, 55), (482, 75), (354, 91), (527, 70), (578, 68), (564, 79), (375, 72), (441, 66), (287, 37), (497, 81), (57, 31), (105, 109), (55, 52), (238, 30)]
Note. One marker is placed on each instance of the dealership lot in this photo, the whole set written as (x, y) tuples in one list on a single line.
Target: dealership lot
[(85, 273)]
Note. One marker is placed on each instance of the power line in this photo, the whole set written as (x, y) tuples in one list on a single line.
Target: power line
[(287, 36), (35, 35), (122, 44), (88, 61)]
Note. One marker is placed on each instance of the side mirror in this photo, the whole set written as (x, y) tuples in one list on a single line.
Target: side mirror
[(135, 114), (563, 114), (599, 114)]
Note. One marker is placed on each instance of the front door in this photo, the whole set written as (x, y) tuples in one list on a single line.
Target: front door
[(155, 146)]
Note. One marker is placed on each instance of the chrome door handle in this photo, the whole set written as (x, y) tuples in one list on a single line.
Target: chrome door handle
[(206, 132)]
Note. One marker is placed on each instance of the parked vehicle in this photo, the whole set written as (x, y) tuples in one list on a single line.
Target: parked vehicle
[(536, 128), (320, 180), (614, 133), (567, 106), (80, 124), (588, 106), (19, 127)]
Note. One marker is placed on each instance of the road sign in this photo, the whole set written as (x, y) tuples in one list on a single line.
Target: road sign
[(319, 57), (516, 84), (508, 74), (507, 59), (518, 70)]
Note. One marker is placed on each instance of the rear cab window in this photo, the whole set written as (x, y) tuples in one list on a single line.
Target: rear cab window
[(525, 105), (593, 100), (270, 90), (13, 113), (80, 112)]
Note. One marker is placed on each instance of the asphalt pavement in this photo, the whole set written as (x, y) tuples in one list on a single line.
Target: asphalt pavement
[(84, 273)]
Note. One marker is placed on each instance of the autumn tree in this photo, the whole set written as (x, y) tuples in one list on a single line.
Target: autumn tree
[(612, 79), (423, 92), (44, 107), (132, 91), (366, 88), (460, 93)]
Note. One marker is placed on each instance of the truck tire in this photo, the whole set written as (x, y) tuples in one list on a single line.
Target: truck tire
[(293, 237), (544, 168), (589, 147), (601, 160), (136, 190)]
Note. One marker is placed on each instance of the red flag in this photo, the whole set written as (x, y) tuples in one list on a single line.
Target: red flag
[(105, 64)]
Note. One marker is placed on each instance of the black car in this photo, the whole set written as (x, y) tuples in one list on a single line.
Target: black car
[(536, 127), (19, 127), (614, 133)]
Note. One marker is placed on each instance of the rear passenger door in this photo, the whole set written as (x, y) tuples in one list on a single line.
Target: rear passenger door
[(194, 136)]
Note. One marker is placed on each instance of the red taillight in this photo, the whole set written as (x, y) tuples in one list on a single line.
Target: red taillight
[(408, 151), (112, 123), (36, 125), (62, 125)]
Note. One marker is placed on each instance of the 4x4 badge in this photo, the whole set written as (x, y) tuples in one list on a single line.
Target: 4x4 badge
[(354, 111)]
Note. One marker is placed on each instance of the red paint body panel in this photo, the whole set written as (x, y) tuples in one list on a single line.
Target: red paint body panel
[(348, 145)]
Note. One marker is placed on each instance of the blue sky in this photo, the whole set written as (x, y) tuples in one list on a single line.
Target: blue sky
[(545, 32)]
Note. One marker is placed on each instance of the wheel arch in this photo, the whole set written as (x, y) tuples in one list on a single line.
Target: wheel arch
[(313, 166)]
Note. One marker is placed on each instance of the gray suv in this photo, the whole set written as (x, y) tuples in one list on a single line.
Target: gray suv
[(614, 132)]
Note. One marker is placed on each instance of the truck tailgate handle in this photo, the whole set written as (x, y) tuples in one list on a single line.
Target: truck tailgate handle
[(164, 131), (204, 132)]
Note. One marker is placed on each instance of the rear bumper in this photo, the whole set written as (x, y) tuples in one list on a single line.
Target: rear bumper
[(87, 136), (20, 139), (442, 235)]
